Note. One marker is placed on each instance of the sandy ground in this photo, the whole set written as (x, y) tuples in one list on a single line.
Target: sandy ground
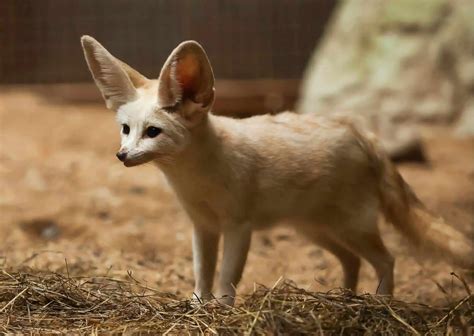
[(67, 204)]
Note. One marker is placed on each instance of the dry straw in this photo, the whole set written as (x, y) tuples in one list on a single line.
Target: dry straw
[(36, 302)]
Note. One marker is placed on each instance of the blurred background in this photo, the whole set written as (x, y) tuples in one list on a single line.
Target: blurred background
[(403, 69), (246, 41), (389, 63)]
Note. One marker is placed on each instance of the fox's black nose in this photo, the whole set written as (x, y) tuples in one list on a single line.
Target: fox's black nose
[(122, 156)]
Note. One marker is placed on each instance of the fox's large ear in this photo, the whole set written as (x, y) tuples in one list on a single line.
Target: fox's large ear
[(116, 80), (187, 76)]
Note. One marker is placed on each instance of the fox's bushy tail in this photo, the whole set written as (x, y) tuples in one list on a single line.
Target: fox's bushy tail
[(425, 231)]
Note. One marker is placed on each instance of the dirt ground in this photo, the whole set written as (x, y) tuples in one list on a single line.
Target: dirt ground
[(67, 204)]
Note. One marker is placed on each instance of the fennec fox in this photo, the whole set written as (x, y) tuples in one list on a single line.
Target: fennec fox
[(323, 176)]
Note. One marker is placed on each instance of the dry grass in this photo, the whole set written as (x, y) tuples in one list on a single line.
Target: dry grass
[(40, 302)]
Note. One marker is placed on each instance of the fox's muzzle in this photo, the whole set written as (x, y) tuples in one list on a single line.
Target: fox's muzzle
[(122, 156)]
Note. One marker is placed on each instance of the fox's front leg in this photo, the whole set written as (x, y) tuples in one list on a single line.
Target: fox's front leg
[(236, 246), (204, 259)]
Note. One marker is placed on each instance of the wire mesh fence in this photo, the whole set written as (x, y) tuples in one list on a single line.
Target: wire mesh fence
[(39, 40)]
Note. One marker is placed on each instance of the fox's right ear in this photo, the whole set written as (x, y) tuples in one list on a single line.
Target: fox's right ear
[(187, 76), (117, 81)]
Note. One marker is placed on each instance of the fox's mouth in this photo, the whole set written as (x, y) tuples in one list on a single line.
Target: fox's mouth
[(131, 163), (137, 161)]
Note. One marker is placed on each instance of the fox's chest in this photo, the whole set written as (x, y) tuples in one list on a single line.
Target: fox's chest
[(207, 202)]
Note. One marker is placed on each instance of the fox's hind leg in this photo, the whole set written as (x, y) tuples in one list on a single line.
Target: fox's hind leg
[(360, 234), (350, 262)]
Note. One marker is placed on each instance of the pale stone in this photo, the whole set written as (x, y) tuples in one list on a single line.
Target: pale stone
[(396, 64)]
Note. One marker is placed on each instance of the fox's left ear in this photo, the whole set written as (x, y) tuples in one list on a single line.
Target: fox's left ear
[(117, 81), (187, 77)]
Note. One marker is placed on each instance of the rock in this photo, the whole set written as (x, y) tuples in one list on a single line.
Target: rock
[(50, 232), (44, 228), (465, 125), (396, 65)]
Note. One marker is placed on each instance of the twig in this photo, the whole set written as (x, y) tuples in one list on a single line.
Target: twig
[(13, 300), (249, 332), (402, 321)]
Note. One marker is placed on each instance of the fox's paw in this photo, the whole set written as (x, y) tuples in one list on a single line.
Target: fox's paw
[(210, 301), (198, 300), (226, 300)]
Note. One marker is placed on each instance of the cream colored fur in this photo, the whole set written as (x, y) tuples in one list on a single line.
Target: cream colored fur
[(322, 176)]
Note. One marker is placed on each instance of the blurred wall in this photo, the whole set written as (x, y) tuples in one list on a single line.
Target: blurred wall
[(39, 40)]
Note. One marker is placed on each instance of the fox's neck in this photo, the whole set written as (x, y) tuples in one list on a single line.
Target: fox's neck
[(201, 154)]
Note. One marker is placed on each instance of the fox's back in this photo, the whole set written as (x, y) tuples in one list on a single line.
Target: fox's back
[(296, 165), (289, 143)]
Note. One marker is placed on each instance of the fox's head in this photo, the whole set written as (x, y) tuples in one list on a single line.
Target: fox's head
[(155, 116)]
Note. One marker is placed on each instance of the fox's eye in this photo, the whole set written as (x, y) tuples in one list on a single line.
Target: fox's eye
[(153, 131), (125, 129)]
